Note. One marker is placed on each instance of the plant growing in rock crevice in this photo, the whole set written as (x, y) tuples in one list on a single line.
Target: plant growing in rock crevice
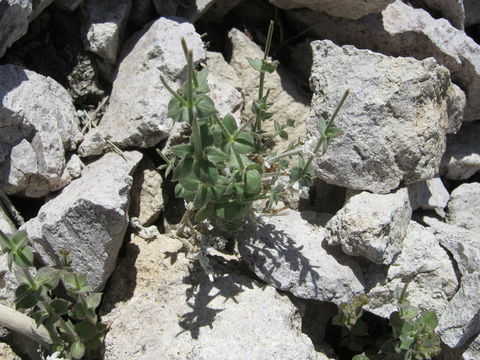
[(66, 326)]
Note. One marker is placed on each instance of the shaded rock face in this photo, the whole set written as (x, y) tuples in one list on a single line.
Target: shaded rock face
[(13, 21), (394, 124), (69, 5), (430, 194), (39, 125), (179, 314), (452, 10), (464, 207), (137, 114), (288, 253), (89, 218)]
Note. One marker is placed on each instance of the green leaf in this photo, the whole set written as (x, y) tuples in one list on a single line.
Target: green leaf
[(255, 63), (205, 171), (243, 143), (93, 300), (78, 312), (48, 276), (190, 183), (333, 132), (202, 86), (232, 210), (86, 330), (19, 238), (39, 316), (25, 297), (23, 257), (215, 155), (75, 283), (204, 194), (60, 306), (205, 107), (204, 213), (182, 150), (183, 169), (290, 123), (270, 67), (283, 134), (295, 174), (253, 182), (21, 277), (230, 124), (360, 357), (178, 110), (77, 351), (4, 242)]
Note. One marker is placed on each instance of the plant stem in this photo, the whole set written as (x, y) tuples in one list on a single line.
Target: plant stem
[(240, 161), (197, 141)]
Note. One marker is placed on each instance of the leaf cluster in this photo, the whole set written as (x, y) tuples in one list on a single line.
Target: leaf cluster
[(71, 320)]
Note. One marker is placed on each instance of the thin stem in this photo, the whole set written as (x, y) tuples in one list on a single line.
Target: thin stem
[(170, 90), (224, 129), (285, 154), (197, 141), (269, 39), (240, 161)]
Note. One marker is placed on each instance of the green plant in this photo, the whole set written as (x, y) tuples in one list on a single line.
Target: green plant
[(225, 167), (71, 322), (412, 335)]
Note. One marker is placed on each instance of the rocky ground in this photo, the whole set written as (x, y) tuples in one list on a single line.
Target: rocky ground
[(395, 200)]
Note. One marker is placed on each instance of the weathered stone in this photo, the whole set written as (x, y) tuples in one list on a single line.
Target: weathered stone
[(452, 10), (227, 99), (13, 22), (288, 253), (89, 218), (372, 225), (74, 168), (147, 197), (404, 31), (351, 9), (472, 12), (6, 352), (462, 157), (288, 100), (69, 5), (137, 114), (38, 124), (461, 318), (93, 144), (103, 26), (391, 135), (180, 314), (464, 207), (217, 65), (430, 194), (473, 351), (424, 265)]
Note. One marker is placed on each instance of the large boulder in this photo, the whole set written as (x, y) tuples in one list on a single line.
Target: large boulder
[(39, 125), (289, 253), (89, 218), (137, 114), (351, 9), (14, 16), (464, 207), (395, 118), (372, 225), (180, 314)]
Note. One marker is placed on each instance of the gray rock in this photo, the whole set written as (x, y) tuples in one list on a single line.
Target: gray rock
[(462, 157), (6, 352), (351, 9), (217, 65), (289, 102), (14, 16), (424, 264), (372, 225), (404, 31), (463, 244), (391, 135), (38, 124), (430, 194), (461, 318), (452, 10), (74, 167), (93, 144), (69, 5), (464, 207), (89, 218), (472, 12), (103, 26), (180, 314), (473, 351), (288, 253), (196, 10), (137, 114)]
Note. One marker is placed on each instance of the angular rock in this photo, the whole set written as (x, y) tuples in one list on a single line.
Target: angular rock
[(395, 124), (74, 168), (430, 194), (472, 12), (227, 99), (372, 225), (137, 114), (218, 66), (89, 218), (69, 5), (424, 264), (464, 207), (462, 157), (103, 26), (351, 9), (452, 10), (473, 351), (288, 253), (6, 352), (404, 31), (180, 314), (461, 318), (13, 22), (93, 144), (288, 100), (38, 124)]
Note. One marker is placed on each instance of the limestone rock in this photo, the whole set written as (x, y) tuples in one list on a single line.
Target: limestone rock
[(93, 144), (289, 253), (424, 264), (218, 66), (69, 5), (452, 10), (103, 26), (89, 218), (391, 135), (372, 225), (464, 207), (13, 21), (429, 194), (137, 114), (472, 12), (6, 352), (473, 351), (288, 100), (462, 157), (351, 9), (38, 124), (180, 314)]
